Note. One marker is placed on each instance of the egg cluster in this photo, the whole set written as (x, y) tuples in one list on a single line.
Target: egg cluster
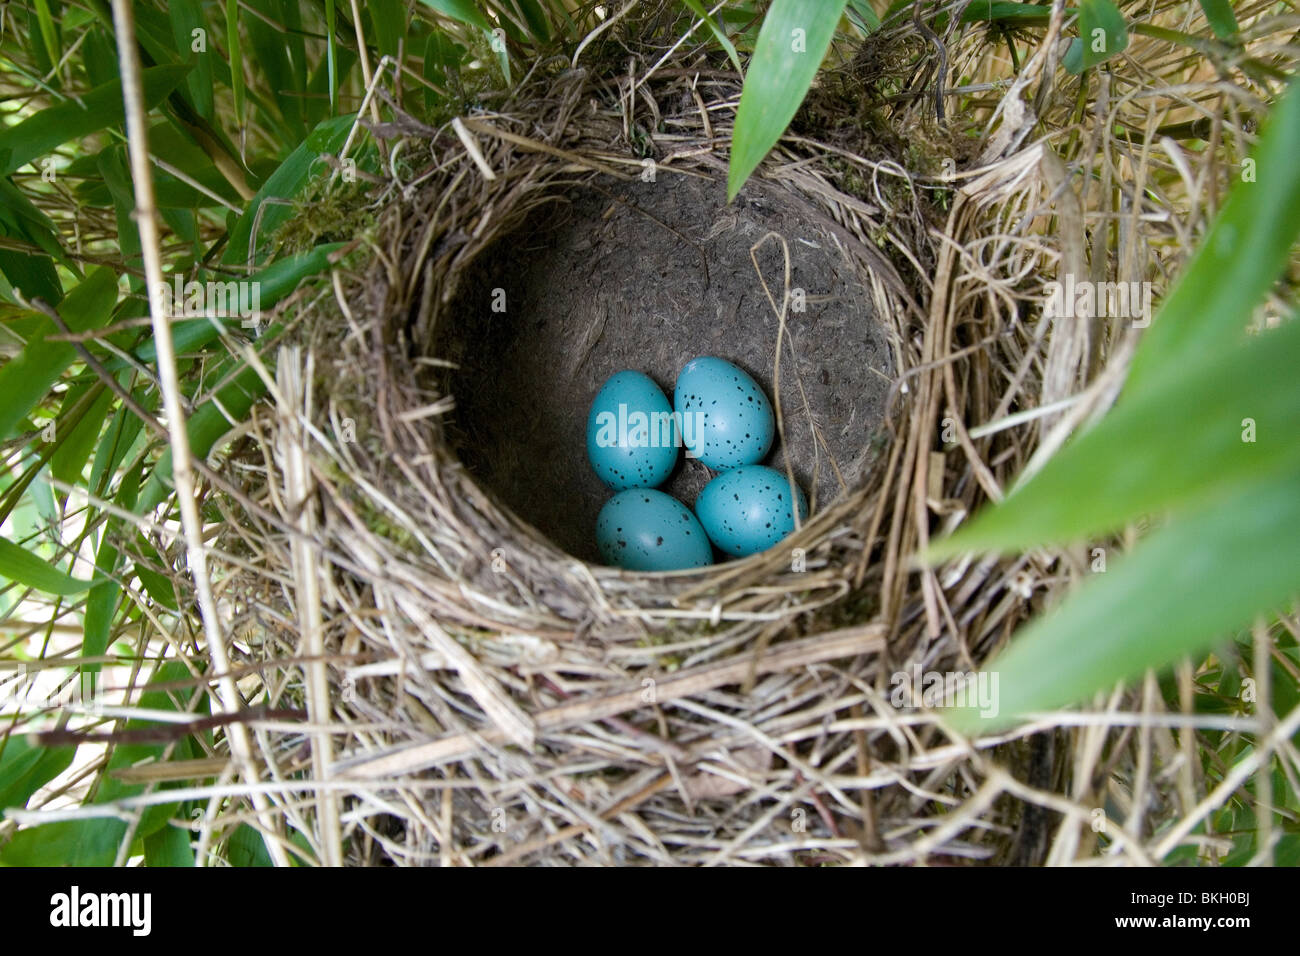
[(721, 416)]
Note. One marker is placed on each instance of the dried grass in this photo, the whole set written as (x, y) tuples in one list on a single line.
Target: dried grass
[(477, 697)]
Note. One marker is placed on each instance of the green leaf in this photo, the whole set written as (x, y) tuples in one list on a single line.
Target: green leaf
[(719, 34), (1103, 34), (101, 602), (206, 426), (331, 57), (388, 20), (276, 281), (466, 11), (462, 11), (1193, 352), (791, 46), (1218, 13), (285, 183), (1240, 258), (236, 57), (1222, 564), (32, 274), (994, 11), (49, 31), (186, 17), (169, 846), (19, 564), (66, 843), (247, 848), (24, 769), (26, 379), (100, 108), (868, 21), (1181, 442), (78, 438), (95, 842)]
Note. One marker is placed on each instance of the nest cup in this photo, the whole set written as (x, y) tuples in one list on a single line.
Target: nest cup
[(501, 340), (474, 637)]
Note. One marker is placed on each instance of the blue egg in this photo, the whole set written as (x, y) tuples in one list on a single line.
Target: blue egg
[(632, 437), (646, 530), (725, 419), (748, 509)]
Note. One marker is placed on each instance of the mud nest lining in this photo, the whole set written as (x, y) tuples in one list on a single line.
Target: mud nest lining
[(647, 275)]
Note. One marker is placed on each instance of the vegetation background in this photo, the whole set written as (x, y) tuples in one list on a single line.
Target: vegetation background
[(247, 106)]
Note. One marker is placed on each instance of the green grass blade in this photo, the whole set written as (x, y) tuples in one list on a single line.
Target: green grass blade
[(1178, 444), (206, 426), (331, 56), (1222, 564), (99, 109), (462, 11), (77, 434), (49, 32), (1103, 34), (235, 56), (26, 379), (19, 564), (719, 34), (186, 17), (1221, 18), (276, 281), (24, 769), (286, 183), (1240, 258), (168, 847), (791, 46), (466, 11)]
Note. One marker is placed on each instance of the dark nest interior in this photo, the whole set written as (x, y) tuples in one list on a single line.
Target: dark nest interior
[(647, 275)]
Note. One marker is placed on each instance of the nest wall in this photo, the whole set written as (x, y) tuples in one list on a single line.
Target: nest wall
[(490, 698)]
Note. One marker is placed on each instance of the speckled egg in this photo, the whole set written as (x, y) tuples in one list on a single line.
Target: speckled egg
[(726, 421), (632, 437), (748, 509), (646, 530)]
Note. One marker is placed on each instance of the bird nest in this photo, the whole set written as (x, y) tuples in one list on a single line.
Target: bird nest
[(480, 692)]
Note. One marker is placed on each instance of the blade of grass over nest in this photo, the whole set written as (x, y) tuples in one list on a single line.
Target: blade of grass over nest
[(21, 565), (1223, 564), (791, 46), (1193, 437), (24, 768), (49, 32), (186, 18), (236, 57), (1240, 258), (26, 379), (467, 12), (210, 421), (276, 281), (719, 34), (99, 109), (1103, 33), (1184, 350), (1221, 18), (284, 184), (331, 55), (864, 16)]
